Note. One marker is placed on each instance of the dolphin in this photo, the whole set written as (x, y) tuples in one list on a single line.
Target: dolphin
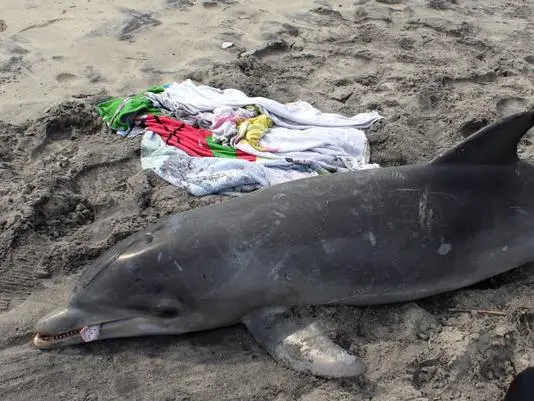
[(367, 237)]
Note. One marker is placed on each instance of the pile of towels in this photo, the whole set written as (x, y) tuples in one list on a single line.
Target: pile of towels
[(214, 141)]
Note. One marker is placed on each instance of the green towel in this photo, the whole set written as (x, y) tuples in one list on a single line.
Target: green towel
[(118, 113)]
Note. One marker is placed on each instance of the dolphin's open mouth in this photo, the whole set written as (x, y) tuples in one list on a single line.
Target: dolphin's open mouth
[(76, 336), (42, 340)]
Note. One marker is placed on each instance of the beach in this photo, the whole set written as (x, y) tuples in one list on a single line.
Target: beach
[(436, 70)]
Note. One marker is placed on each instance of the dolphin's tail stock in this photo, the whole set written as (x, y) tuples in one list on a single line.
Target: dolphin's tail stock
[(302, 346)]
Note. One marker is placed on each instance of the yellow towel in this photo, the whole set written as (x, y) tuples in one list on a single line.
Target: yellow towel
[(253, 129)]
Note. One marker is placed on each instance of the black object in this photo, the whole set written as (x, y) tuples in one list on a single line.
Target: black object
[(522, 387)]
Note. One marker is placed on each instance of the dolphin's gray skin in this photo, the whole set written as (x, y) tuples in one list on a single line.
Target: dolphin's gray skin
[(358, 238)]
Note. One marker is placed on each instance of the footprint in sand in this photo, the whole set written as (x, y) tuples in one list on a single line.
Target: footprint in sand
[(511, 105), (180, 4), (92, 74), (65, 77)]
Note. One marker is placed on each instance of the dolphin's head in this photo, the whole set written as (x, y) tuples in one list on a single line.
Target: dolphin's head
[(136, 288)]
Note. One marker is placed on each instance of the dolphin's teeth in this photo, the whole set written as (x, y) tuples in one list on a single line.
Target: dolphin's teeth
[(46, 337)]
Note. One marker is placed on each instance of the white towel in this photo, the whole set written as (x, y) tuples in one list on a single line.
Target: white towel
[(296, 115), (345, 148), (202, 176)]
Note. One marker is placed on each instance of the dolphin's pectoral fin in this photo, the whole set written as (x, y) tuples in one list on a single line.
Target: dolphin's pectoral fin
[(303, 347), (493, 144)]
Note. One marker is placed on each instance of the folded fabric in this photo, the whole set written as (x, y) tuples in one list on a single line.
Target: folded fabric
[(224, 114), (119, 113), (253, 130), (296, 115), (225, 121), (202, 176), (334, 148), (194, 141)]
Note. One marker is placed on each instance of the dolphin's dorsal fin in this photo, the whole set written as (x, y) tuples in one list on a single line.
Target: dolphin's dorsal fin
[(493, 144)]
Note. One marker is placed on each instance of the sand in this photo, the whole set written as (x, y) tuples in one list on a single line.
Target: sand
[(436, 69)]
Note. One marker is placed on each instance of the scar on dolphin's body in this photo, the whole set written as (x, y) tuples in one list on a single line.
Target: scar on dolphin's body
[(398, 234)]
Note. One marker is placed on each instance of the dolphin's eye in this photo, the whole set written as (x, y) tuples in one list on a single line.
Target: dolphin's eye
[(167, 311)]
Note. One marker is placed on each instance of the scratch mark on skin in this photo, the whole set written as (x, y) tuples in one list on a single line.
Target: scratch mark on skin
[(372, 238), (423, 204), (444, 248), (444, 194), (519, 210), (426, 213), (244, 259), (227, 283), (344, 299), (398, 176), (275, 272)]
